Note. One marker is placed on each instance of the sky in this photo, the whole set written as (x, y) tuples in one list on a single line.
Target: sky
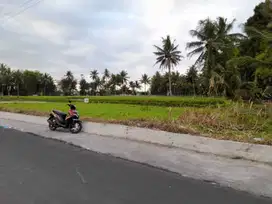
[(55, 36)]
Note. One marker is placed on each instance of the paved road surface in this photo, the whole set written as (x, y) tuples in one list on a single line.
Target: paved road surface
[(39, 170)]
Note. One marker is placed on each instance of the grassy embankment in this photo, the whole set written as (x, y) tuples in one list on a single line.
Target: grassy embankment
[(212, 117)]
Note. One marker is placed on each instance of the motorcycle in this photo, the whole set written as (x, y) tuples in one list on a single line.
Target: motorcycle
[(57, 119)]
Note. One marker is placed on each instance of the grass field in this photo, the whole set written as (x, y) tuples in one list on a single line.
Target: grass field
[(101, 111), (132, 100), (239, 122)]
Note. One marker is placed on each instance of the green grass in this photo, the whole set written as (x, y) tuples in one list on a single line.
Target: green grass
[(239, 122), (133, 100), (103, 111)]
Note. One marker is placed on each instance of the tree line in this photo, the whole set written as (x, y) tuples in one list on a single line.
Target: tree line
[(27, 82), (228, 64)]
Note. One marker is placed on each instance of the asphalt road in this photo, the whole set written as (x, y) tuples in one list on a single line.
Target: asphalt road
[(39, 170)]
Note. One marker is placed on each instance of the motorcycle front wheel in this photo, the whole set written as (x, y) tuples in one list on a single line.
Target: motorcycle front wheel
[(76, 127)]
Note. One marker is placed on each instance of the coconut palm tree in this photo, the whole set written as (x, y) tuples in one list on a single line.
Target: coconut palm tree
[(17, 79), (132, 86), (113, 82), (94, 74), (205, 34), (106, 73), (214, 46), (262, 62), (68, 83), (168, 56), (45, 79), (5, 78), (145, 80), (137, 84), (96, 82), (123, 77)]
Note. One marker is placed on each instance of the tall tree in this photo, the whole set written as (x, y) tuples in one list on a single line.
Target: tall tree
[(145, 80), (123, 77), (83, 86), (5, 78), (215, 45), (31, 82), (255, 59), (44, 80), (96, 82), (94, 74), (156, 88), (137, 84), (68, 83), (132, 85), (106, 73), (17, 78), (192, 77), (113, 82), (168, 56)]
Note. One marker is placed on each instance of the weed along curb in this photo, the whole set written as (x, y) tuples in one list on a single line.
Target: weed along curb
[(230, 149)]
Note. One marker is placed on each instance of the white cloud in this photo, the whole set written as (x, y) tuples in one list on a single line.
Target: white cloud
[(80, 35), (48, 30), (79, 48)]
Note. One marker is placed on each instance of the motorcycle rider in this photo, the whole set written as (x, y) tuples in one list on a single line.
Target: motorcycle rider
[(70, 112)]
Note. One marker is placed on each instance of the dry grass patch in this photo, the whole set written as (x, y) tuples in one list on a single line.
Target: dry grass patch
[(239, 122)]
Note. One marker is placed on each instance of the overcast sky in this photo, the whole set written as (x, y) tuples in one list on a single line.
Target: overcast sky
[(80, 35)]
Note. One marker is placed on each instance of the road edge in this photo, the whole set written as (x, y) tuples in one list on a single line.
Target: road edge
[(223, 148)]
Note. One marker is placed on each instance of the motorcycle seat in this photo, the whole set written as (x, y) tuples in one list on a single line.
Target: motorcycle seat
[(60, 113)]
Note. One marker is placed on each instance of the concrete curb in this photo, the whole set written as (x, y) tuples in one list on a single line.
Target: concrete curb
[(230, 149)]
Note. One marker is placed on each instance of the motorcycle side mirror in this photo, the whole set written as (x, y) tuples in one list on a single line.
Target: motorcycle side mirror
[(70, 101)]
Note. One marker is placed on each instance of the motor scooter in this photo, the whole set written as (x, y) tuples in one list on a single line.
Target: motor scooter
[(58, 119)]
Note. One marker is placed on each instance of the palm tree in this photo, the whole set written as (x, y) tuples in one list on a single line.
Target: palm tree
[(83, 85), (145, 80), (192, 77), (97, 83), (123, 77), (132, 86), (205, 34), (45, 79), (5, 78), (106, 73), (17, 78), (69, 75), (262, 61), (68, 83), (223, 31), (214, 42), (94, 74), (137, 84), (113, 82), (168, 56), (105, 79)]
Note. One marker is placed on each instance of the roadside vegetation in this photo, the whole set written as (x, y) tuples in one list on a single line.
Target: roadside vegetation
[(233, 121), (225, 94)]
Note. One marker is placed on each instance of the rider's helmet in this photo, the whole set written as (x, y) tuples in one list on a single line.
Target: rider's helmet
[(72, 107)]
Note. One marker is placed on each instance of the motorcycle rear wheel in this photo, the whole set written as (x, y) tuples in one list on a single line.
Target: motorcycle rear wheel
[(51, 125)]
